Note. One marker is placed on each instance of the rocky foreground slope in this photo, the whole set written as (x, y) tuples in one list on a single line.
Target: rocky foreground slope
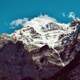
[(16, 63), (53, 59)]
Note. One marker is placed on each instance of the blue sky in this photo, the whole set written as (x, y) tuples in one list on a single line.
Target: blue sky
[(13, 9), (23, 8)]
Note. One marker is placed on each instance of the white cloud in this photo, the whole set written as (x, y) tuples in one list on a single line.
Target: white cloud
[(63, 14), (71, 15), (17, 22)]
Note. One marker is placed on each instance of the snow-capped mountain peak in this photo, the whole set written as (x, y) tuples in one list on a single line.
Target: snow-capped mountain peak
[(42, 30)]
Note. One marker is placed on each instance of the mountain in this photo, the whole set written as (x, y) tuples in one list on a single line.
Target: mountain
[(44, 30), (43, 49)]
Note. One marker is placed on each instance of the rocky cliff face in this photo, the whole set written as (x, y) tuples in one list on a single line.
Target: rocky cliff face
[(17, 63)]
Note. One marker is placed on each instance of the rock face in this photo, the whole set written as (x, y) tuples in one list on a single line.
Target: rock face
[(16, 63)]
